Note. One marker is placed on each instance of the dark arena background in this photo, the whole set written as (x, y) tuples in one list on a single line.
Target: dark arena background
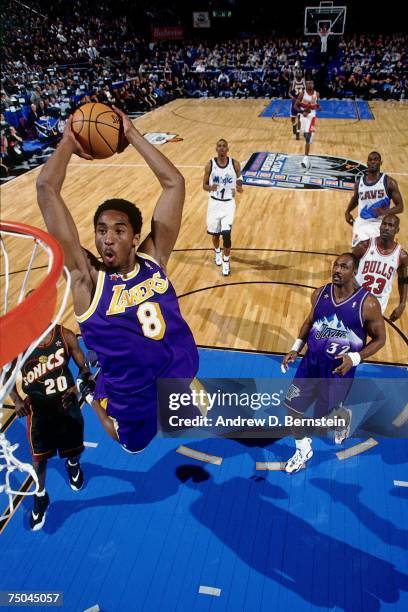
[(208, 517)]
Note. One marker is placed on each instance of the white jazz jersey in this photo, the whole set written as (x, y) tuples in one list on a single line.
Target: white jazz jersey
[(372, 196), (224, 178), (376, 271)]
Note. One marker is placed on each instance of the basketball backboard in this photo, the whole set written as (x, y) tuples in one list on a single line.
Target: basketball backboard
[(325, 16)]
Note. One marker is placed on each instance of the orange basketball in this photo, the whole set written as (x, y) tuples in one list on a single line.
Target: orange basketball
[(97, 127)]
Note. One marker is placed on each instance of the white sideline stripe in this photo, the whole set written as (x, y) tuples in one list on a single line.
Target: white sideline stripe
[(402, 418), (206, 590), (91, 444), (193, 454), (94, 608), (272, 466), (400, 483), (357, 449)]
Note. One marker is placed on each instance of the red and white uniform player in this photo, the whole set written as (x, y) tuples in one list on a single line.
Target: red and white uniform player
[(380, 259), (307, 104)]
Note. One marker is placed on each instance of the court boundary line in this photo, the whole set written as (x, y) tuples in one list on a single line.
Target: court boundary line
[(279, 354), (399, 332)]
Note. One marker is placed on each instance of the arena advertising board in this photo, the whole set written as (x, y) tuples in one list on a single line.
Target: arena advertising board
[(284, 171)]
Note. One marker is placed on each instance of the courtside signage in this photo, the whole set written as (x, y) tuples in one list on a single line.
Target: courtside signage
[(284, 171)]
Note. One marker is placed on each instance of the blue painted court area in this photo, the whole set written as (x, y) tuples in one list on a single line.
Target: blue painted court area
[(330, 109), (147, 531)]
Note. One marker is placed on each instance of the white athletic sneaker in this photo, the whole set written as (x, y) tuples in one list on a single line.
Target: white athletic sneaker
[(305, 163), (225, 267), (298, 460), (341, 433), (218, 257)]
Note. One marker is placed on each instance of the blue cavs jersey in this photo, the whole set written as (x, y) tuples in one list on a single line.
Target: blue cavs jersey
[(135, 327), (337, 329), (371, 197)]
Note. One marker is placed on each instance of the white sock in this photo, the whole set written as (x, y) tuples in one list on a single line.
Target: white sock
[(217, 250), (41, 493), (226, 257), (303, 445), (72, 464)]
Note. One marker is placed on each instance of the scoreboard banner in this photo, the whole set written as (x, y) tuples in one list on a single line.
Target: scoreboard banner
[(284, 171)]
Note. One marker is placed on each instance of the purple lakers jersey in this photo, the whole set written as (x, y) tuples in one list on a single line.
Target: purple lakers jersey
[(337, 327), (135, 326)]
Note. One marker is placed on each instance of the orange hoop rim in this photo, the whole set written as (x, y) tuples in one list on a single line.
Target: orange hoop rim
[(29, 319)]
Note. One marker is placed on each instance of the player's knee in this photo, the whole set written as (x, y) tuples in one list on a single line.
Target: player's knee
[(226, 239)]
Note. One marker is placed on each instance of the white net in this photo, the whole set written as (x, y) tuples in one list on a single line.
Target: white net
[(12, 296)]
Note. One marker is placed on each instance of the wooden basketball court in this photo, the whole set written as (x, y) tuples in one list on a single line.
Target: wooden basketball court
[(284, 241)]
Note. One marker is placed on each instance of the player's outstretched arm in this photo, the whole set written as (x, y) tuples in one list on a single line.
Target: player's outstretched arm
[(206, 179), (21, 407), (168, 211), (402, 286), (84, 383), (237, 168), (360, 248), (396, 197), (59, 220), (303, 334), (352, 205), (375, 325)]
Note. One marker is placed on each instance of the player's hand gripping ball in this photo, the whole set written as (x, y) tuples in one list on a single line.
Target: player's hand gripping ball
[(307, 110), (98, 129)]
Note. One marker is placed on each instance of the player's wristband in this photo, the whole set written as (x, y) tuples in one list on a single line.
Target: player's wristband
[(240, 179), (298, 345), (355, 358)]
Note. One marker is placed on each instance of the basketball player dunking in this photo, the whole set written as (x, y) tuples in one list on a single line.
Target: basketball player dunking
[(222, 179), (335, 332), (380, 260), (373, 194), (54, 419), (307, 103), (126, 307), (297, 87)]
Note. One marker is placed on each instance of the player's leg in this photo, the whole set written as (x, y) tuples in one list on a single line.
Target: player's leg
[(217, 249), (226, 228), (299, 397), (214, 228), (40, 431), (337, 389), (308, 141), (293, 122), (70, 442), (364, 229), (41, 498)]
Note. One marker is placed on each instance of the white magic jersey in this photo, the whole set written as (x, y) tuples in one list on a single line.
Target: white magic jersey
[(376, 271), (225, 179), (371, 197)]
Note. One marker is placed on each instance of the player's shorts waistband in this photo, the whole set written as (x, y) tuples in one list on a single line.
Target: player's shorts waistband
[(220, 199)]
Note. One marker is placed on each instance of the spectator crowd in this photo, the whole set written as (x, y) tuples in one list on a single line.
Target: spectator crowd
[(53, 63)]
